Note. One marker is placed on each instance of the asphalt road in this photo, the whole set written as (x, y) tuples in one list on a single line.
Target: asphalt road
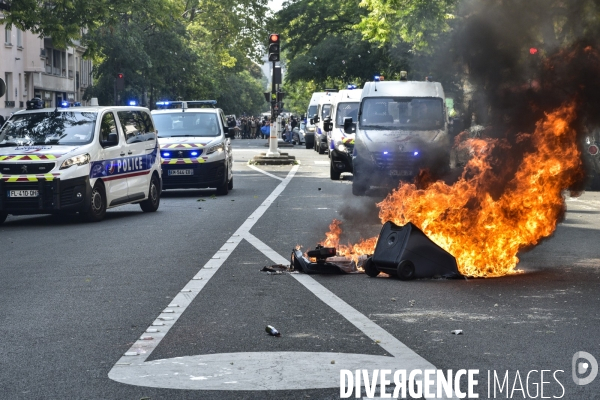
[(75, 297)]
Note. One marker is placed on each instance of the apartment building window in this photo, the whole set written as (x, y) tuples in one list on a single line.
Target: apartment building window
[(7, 35), (56, 58), (19, 38)]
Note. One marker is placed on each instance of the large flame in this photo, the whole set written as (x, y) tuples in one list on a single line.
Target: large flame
[(482, 228)]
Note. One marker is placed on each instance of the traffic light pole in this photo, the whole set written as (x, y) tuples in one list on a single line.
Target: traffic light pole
[(273, 150)]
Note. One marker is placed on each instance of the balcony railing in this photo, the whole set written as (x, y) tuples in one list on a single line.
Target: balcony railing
[(9, 104), (55, 71), (48, 69), (71, 73)]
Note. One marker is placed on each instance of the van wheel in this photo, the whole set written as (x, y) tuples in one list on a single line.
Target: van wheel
[(321, 148), (230, 184), (97, 210), (153, 201), (308, 143), (3, 216), (223, 189), (406, 270), (333, 173)]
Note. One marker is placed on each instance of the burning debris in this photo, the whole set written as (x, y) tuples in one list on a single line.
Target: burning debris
[(401, 251), (326, 261)]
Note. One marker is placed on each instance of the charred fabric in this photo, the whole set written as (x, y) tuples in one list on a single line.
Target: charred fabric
[(401, 251)]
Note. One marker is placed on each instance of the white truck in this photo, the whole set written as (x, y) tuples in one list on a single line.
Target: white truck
[(323, 118), (311, 112), (340, 143), (402, 127)]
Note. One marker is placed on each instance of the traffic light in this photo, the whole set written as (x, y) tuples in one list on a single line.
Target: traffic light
[(120, 82), (274, 47)]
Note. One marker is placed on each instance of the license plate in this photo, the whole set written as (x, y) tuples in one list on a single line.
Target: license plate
[(23, 193), (396, 172), (181, 172)]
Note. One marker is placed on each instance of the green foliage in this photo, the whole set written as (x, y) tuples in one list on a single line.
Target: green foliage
[(417, 22)]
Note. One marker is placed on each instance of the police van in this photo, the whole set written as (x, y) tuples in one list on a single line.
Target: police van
[(83, 159), (341, 144), (323, 117), (195, 146), (402, 127), (311, 112)]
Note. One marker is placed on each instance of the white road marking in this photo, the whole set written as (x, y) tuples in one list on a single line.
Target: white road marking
[(265, 172), (321, 162), (256, 370)]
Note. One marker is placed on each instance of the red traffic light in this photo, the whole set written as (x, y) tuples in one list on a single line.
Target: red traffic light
[(120, 76), (533, 51), (273, 38)]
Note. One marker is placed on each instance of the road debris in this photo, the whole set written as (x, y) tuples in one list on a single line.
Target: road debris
[(457, 332), (272, 331), (322, 260)]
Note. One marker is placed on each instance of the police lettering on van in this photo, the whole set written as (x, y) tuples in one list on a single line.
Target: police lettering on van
[(82, 160)]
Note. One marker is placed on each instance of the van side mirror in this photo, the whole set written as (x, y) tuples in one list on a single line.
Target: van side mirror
[(327, 124), (349, 126), (112, 140), (315, 120)]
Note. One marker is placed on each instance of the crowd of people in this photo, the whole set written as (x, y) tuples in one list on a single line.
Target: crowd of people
[(260, 128)]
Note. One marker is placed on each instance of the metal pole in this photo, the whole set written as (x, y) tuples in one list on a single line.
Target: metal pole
[(273, 150)]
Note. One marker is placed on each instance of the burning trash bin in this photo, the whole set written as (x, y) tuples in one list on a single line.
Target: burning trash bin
[(406, 252)]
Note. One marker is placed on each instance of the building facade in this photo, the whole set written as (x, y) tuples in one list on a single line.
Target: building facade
[(31, 67)]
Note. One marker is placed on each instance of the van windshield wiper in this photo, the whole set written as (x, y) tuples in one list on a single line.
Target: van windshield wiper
[(181, 136)]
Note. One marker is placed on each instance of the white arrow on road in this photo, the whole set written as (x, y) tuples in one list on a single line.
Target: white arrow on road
[(256, 370)]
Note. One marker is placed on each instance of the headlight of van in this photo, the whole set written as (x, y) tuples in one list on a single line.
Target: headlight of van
[(310, 129), (81, 159), (341, 147), (212, 149)]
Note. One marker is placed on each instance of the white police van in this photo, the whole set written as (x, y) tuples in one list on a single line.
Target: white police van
[(402, 127), (341, 144), (82, 159), (195, 145), (323, 117), (311, 112)]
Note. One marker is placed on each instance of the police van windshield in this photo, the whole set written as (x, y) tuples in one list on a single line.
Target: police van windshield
[(49, 128), (182, 124), (326, 111), (345, 110), (416, 113), (312, 111)]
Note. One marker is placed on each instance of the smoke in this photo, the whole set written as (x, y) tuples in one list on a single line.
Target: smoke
[(360, 216), (526, 59)]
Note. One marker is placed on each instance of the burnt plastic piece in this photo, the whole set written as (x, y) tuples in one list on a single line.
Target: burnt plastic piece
[(406, 252), (336, 265), (322, 253)]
